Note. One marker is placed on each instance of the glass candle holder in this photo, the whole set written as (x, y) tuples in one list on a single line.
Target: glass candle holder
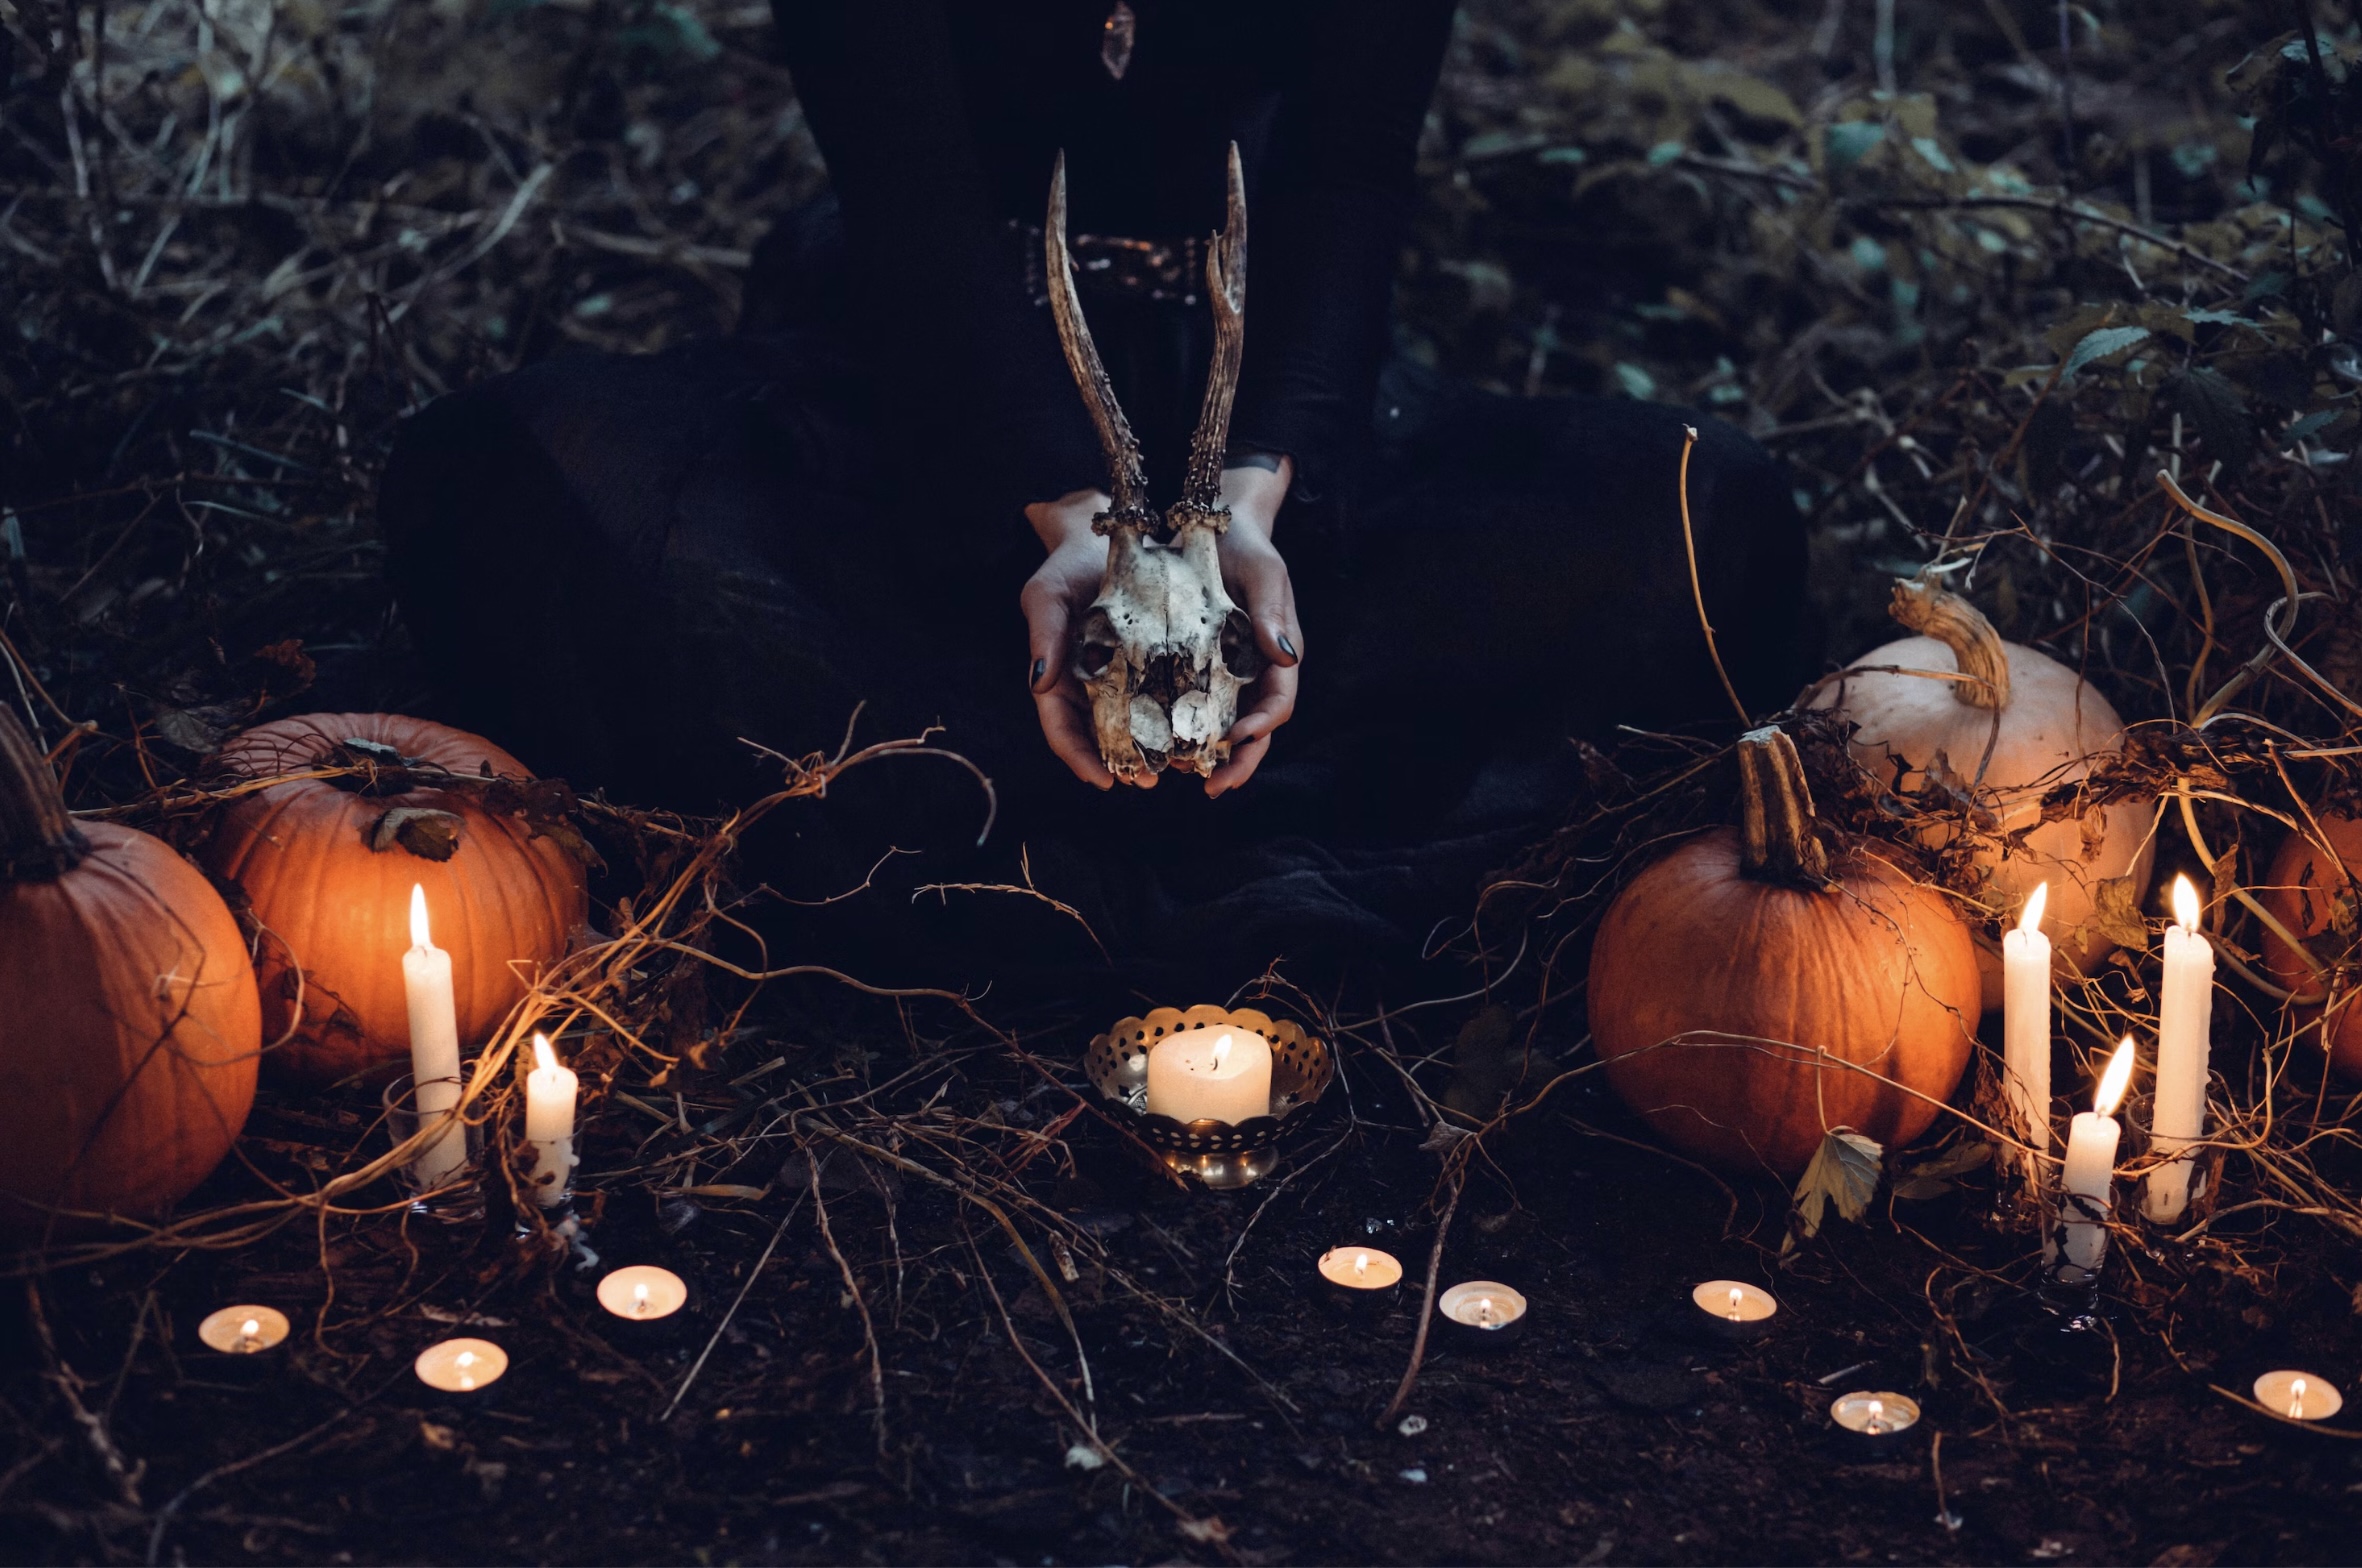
[(445, 1181)]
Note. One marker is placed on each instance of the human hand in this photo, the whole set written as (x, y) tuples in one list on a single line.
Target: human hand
[(1257, 578), (1061, 590), (1054, 599)]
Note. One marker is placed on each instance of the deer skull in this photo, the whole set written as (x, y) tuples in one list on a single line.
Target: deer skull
[(1164, 649)]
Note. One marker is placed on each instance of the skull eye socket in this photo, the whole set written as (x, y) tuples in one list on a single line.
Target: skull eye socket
[(1095, 646), (1241, 656)]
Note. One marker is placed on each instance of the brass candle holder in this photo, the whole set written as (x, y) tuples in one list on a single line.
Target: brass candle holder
[(1215, 1154)]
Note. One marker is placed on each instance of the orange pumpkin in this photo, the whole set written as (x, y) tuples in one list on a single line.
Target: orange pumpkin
[(130, 1028), (2302, 890), (1719, 971), (327, 866)]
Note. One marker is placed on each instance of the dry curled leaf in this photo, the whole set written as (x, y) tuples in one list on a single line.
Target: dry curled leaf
[(424, 831), (1844, 1171)]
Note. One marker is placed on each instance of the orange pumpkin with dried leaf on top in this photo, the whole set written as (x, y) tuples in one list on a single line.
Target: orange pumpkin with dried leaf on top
[(358, 808)]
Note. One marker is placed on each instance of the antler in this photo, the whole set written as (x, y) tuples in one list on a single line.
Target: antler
[(1226, 284), (1125, 479)]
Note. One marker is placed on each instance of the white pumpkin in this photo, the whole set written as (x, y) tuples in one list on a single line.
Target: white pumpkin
[(1937, 694)]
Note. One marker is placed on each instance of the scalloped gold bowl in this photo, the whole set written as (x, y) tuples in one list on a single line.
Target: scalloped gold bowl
[(1215, 1154)]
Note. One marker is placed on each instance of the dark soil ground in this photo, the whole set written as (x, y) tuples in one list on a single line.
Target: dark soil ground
[(1609, 1432), (204, 363)]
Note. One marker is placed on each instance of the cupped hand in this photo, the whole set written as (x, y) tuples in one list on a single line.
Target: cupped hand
[(1257, 577), (1055, 599), (1059, 594)]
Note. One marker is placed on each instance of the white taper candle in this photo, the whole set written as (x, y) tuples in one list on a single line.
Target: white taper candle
[(550, 1092), (434, 1043), (2025, 1028), (2185, 1020)]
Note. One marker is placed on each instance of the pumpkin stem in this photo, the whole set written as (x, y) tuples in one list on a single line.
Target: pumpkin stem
[(1778, 843), (1929, 608), (38, 840)]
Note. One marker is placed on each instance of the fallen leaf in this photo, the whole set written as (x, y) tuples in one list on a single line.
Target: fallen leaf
[(1844, 1171)]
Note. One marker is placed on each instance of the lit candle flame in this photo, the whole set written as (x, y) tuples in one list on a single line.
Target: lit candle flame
[(1221, 1050), (2030, 919), (2296, 1399), (2185, 904), (1484, 1312), (1361, 1265), (545, 1059), (466, 1365), (2115, 1080), (418, 930), (1738, 1295), (1877, 1418), (639, 1300), (249, 1331)]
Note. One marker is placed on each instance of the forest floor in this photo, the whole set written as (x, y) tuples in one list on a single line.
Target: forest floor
[(940, 1310)]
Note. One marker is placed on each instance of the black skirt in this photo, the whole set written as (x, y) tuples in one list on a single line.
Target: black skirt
[(626, 569)]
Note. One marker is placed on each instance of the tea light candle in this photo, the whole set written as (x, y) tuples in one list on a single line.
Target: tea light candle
[(1481, 1313), (1210, 1074), (2300, 1396), (1873, 1420), (550, 1092), (243, 1330), (2090, 1177), (642, 1293), (434, 1043), (461, 1366), (2025, 1028), (1734, 1309), (1359, 1278), (2185, 1019)]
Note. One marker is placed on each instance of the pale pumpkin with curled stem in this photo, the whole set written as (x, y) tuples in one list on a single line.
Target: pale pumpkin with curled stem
[(1762, 986), (2009, 724), (129, 1026), (327, 864)]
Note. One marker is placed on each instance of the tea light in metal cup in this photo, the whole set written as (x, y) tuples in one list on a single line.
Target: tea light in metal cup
[(243, 1330), (1733, 1309), (1874, 1421), (1481, 1314), (2299, 1396), (1360, 1280), (461, 1366), (643, 1305)]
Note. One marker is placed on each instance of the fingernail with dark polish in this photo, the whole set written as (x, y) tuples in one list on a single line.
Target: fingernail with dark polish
[(1286, 646), (1035, 679)]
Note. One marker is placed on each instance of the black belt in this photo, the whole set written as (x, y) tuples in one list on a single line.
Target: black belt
[(1112, 265)]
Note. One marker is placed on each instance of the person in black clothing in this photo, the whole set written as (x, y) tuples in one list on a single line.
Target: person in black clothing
[(622, 568)]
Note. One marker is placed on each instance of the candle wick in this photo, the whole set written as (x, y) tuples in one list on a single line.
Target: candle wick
[(1737, 1295), (639, 1300)]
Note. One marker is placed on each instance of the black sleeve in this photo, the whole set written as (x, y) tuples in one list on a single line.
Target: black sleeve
[(940, 284), (1324, 229)]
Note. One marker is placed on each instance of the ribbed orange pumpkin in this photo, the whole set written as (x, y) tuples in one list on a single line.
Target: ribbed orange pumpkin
[(504, 904), (129, 1027), (2302, 891), (1760, 936)]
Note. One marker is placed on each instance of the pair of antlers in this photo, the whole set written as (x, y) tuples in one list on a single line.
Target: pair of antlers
[(1226, 284)]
